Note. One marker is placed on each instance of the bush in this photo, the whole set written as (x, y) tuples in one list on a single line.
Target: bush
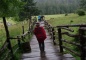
[(66, 14), (81, 12)]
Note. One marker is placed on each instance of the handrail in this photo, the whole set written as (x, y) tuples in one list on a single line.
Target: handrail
[(71, 51), (67, 29), (73, 43), (73, 25), (71, 35)]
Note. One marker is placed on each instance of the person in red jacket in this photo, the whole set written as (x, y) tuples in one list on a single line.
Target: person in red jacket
[(40, 35)]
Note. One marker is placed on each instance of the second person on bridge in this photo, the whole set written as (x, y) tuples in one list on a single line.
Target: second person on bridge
[(40, 35)]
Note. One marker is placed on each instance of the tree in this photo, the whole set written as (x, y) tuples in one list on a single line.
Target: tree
[(83, 4), (57, 6), (80, 12), (29, 9), (9, 8)]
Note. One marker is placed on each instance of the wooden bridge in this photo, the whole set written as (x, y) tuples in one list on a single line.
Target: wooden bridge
[(53, 50)]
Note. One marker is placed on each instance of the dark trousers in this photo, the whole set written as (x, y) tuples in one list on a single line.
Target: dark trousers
[(41, 46)]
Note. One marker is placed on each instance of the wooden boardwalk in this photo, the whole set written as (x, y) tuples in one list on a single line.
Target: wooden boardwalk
[(51, 51)]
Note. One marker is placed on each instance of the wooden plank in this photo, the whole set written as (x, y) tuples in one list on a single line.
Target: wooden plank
[(71, 51), (16, 50), (7, 55), (4, 46), (68, 34), (25, 33), (73, 43), (67, 29), (83, 28), (74, 25)]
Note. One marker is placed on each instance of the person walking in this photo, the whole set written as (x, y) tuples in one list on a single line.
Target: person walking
[(39, 18), (40, 35)]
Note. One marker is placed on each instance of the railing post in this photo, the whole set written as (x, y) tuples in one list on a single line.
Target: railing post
[(60, 41), (82, 43), (19, 43), (45, 24), (22, 38), (23, 32), (53, 35), (23, 29), (49, 29), (51, 32)]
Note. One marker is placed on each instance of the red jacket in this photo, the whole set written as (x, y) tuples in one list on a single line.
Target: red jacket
[(40, 34)]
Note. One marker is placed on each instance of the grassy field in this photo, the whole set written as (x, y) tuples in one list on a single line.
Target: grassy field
[(61, 19)]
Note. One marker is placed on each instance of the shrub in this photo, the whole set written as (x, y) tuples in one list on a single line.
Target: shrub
[(81, 12), (66, 14)]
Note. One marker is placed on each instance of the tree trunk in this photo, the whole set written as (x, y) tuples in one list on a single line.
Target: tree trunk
[(7, 35)]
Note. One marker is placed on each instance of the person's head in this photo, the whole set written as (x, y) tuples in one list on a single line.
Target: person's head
[(37, 24)]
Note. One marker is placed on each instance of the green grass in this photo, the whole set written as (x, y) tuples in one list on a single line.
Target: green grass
[(61, 19), (14, 31)]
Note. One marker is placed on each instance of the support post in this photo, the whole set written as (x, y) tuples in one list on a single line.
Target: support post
[(60, 41), (19, 43), (53, 35), (22, 29), (82, 43)]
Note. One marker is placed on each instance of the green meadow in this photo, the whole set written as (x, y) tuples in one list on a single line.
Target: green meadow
[(61, 19)]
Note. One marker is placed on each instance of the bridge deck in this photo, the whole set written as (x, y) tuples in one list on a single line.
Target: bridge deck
[(51, 51)]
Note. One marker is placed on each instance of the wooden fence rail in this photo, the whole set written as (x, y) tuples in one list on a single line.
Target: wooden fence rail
[(82, 37)]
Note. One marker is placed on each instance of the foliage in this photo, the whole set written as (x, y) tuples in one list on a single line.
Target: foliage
[(80, 12), (29, 9), (66, 14), (9, 8), (83, 4)]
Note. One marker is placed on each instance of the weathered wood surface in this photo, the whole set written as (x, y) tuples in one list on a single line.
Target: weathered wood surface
[(51, 51)]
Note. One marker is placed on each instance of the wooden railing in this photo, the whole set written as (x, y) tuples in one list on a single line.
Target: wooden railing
[(7, 52), (81, 35), (51, 30)]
